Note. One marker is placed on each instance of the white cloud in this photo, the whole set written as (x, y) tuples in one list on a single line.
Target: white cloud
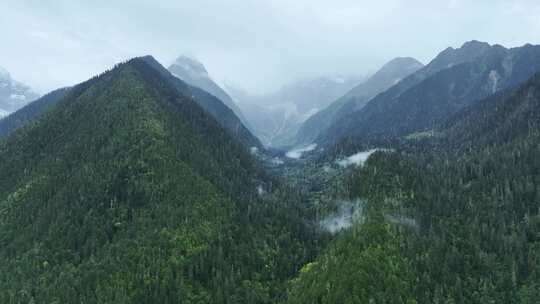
[(296, 153)]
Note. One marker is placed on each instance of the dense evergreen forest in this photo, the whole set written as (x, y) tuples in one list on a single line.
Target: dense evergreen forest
[(128, 192), (451, 217), (124, 189)]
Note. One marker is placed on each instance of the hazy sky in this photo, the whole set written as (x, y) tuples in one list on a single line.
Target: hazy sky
[(257, 45)]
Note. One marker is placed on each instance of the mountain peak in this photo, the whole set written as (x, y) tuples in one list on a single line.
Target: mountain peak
[(150, 61), (475, 44), (400, 62), (396, 69), (191, 66), (474, 48), (450, 56), (145, 58)]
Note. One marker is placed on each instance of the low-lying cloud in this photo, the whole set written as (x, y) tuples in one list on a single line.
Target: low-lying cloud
[(347, 214), (402, 221), (358, 159), (297, 152)]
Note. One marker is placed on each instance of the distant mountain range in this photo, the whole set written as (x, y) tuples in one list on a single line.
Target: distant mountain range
[(13, 94), (277, 116), (390, 74), (455, 79), (209, 102)]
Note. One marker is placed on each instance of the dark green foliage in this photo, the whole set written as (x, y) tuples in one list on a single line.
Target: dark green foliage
[(210, 103), (127, 191), (474, 197), (363, 265)]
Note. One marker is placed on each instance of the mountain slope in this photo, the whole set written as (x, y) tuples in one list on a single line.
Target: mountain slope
[(29, 112), (223, 114), (390, 74), (509, 116), (277, 116), (452, 81), (127, 191), (451, 218), (13, 94), (195, 74)]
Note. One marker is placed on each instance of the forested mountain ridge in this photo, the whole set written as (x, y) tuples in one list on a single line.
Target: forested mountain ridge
[(136, 187), (500, 119), (127, 191), (450, 218), (390, 74), (223, 114), (452, 81)]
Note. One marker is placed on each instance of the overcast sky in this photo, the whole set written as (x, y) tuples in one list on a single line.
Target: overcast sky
[(258, 45)]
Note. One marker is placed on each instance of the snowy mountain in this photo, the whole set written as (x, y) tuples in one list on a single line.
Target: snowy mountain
[(13, 94)]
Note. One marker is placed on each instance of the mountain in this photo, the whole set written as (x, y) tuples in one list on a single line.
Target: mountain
[(223, 114), (29, 112), (195, 74), (277, 116), (390, 74), (452, 81), (13, 94), (447, 218), (128, 191), (507, 117)]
